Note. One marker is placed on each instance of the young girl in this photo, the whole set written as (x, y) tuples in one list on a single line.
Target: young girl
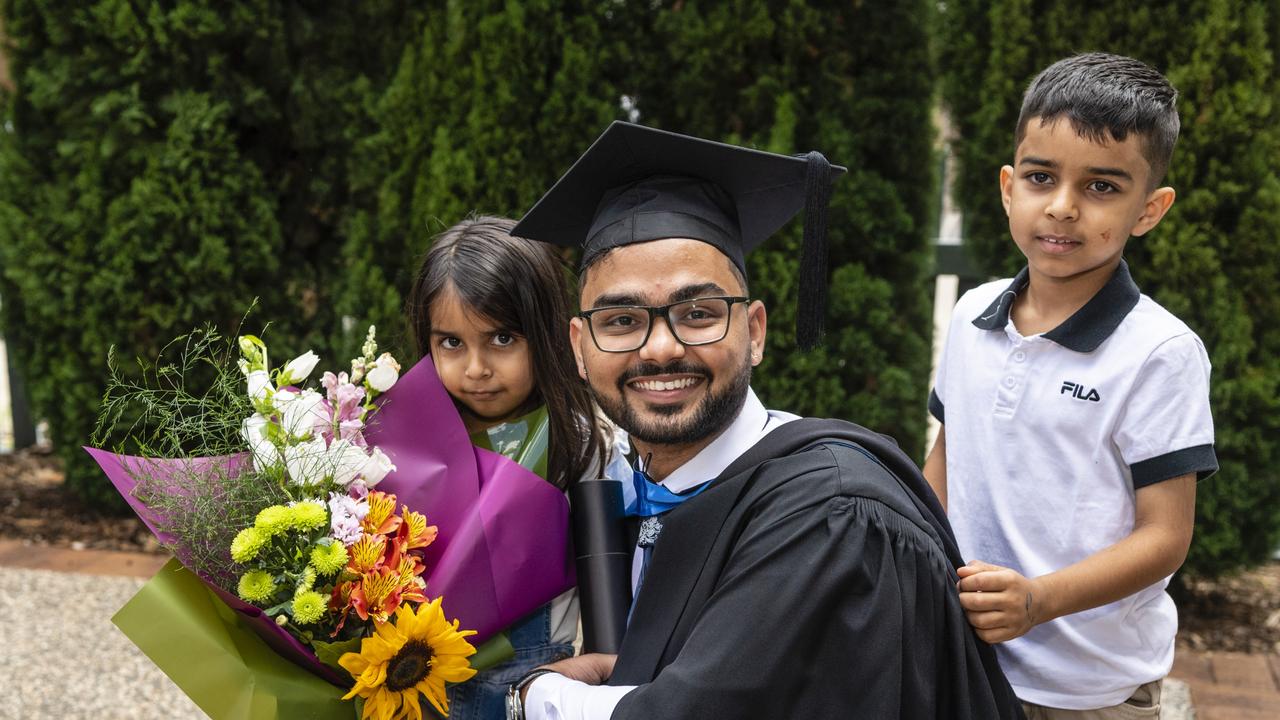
[(493, 312)]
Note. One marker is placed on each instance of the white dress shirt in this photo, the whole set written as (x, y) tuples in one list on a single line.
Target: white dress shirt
[(556, 697)]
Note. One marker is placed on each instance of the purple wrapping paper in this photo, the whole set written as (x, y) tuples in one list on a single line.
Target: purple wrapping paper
[(503, 548)]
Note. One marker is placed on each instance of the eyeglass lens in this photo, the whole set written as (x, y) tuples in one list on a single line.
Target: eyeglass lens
[(695, 322)]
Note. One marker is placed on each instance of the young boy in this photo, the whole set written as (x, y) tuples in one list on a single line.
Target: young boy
[(1076, 409)]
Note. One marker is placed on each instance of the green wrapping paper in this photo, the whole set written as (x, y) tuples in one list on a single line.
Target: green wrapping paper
[(223, 666)]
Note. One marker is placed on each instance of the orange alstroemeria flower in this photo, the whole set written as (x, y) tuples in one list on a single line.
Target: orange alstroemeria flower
[(414, 533), (382, 518), (367, 553)]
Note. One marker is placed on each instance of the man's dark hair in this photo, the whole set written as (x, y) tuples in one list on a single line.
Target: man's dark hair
[(1107, 96), (594, 260)]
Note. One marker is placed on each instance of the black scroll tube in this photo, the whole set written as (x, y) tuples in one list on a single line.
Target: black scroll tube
[(604, 563)]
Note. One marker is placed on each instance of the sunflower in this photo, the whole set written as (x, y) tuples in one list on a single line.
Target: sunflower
[(417, 654)]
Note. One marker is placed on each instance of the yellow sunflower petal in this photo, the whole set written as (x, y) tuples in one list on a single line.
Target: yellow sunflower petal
[(433, 688), (410, 709)]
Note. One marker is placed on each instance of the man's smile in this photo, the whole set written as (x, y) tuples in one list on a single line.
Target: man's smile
[(665, 388)]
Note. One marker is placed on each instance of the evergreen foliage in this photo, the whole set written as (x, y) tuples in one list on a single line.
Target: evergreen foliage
[(491, 102), (1213, 261), (853, 80), (162, 165)]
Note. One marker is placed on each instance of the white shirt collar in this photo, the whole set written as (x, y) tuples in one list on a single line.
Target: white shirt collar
[(752, 423)]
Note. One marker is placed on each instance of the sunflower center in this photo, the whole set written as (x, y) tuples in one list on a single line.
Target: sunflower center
[(409, 666)]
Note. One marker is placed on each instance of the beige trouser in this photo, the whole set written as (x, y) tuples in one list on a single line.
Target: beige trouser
[(1145, 703)]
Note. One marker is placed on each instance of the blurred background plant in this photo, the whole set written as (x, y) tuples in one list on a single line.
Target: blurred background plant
[(162, 164)]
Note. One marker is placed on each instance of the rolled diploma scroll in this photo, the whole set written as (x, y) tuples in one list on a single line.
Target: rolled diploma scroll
[(603, 563)]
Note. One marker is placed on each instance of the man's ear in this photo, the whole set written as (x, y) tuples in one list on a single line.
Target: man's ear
[(575, 341), (1158, 204), (757, 326)]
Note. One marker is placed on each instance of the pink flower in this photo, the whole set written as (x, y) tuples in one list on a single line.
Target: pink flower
[(347, 401), (352, 431)]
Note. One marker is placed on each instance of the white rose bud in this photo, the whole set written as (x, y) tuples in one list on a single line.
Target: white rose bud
[(376, 468), (297, 369), (384, 373), (259, 384)]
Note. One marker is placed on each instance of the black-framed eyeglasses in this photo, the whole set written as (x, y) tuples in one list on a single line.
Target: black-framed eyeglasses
[(626, 328)]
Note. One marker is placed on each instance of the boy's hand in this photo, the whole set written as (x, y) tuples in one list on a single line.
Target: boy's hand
[(1000, 603)]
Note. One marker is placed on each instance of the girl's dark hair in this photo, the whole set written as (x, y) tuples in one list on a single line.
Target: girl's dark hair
[(520, 286)]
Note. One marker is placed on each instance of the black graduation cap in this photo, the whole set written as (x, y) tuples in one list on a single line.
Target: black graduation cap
[(637, 184)]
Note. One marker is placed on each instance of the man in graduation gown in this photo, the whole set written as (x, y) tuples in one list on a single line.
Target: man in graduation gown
[(789, 568)]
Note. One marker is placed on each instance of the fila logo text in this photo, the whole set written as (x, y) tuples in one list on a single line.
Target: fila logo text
[(1079, 392)]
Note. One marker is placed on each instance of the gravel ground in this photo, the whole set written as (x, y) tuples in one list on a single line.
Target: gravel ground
[(74, 663)]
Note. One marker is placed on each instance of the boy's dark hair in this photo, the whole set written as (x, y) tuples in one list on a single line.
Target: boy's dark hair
[(1107, 96), (520, 286)]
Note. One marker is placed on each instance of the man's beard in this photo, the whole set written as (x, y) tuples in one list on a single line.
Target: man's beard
[(713, 414)]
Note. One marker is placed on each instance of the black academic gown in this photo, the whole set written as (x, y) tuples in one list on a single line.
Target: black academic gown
[(808, 581)]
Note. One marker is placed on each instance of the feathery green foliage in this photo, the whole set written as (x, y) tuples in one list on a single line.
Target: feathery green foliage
[(189, 404)]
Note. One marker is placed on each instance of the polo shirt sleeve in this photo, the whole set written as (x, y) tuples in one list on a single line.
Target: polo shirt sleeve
[(1166, 428), (936, 406)]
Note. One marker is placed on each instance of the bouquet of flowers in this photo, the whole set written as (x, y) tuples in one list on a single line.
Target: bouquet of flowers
[(306, 570)]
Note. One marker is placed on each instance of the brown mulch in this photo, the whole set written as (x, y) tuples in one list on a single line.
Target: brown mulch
[(35, 507), (1236, 614), (1240, 613)]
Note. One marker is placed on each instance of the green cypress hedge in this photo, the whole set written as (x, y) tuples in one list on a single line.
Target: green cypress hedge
[(163, 165), (1214, 260), (853, 80), (490, 102)]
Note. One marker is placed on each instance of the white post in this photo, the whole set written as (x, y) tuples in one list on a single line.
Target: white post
[(6, 403)]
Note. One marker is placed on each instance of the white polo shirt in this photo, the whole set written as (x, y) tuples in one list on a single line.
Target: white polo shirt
[(1048, 438)]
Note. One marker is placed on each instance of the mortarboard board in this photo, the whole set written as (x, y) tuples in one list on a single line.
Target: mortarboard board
[(638, 184)]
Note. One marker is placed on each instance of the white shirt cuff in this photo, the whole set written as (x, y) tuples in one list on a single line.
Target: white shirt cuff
[(556, 697)]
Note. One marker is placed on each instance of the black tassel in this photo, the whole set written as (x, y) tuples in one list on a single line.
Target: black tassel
[(812, 310)]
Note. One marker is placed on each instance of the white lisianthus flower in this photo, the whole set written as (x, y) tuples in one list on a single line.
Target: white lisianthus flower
[(297, 369), (384, 373), (253, 429), (344, 461), (259, 383), (303, 413), (376, 468), (307, 462), (265, 455)]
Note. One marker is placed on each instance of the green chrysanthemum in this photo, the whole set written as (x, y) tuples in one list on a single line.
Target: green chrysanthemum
[(308, 515), (308, 579), (256, 586), (329, 559), (273, 520), (246, 544), (308, 607)]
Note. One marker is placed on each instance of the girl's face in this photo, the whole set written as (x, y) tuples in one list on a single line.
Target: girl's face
[(487, 369)]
